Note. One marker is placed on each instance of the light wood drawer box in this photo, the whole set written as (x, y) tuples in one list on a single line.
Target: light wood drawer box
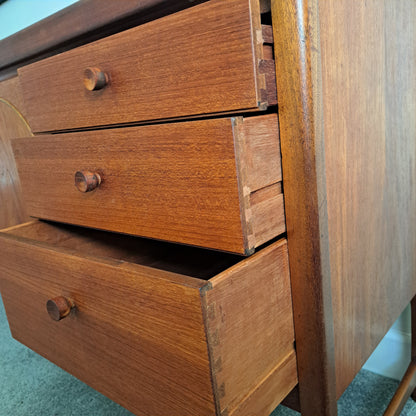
[(206, 59), (163, 329), (211, 183)]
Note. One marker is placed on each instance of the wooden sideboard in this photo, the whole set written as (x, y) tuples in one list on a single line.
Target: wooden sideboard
[(166, 112)]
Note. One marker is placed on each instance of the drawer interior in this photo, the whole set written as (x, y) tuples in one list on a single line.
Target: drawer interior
[(185, 260)]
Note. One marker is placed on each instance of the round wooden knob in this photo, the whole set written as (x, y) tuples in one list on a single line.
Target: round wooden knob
[(86, 181), (95, 79), (58, 308)]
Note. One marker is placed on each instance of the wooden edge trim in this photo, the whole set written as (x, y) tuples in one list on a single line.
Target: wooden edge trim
[(299, 86), (403, 392), (18, 113), (265, 65), (270, 392), (212, 342), (242, 264), (243, 190), (407, 385), (15, 227), (257, 41)]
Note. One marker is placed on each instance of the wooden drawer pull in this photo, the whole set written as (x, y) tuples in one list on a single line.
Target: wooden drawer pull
[(58, 308), (95, 79), (87, 181)]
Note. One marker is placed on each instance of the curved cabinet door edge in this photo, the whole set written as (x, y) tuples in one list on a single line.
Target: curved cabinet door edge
[(12, 125), (298, 77)]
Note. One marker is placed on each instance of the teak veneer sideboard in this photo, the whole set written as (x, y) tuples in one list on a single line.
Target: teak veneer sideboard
[(262, 156)]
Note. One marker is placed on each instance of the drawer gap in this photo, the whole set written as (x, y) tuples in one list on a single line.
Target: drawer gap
[(176, 258), (245, 113)]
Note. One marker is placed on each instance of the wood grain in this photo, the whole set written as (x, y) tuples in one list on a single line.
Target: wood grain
[(270, 392), (297, 49), (80, 23), (347, 103), (178, 259), (267, 32), (369, 107), (12, 124), (137, 336), (260, 151), (177, 182), (259, 171), (138, 329), (250, 328), (267, 214), (164, 69)]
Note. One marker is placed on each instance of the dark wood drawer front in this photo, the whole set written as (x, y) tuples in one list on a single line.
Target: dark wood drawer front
[(145, 335), (211, 183), (206, 59)]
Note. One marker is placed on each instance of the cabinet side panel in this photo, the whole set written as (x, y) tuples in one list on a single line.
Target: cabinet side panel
[(369, 93), (12, 124)]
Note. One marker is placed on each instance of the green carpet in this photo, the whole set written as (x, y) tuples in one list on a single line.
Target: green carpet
[(32, 386)]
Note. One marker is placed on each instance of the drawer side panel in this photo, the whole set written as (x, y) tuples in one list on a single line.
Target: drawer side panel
[(250, 333)]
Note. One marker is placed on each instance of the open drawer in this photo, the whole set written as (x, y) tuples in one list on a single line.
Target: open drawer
[(162, 329), (211, 183), (214, 58)]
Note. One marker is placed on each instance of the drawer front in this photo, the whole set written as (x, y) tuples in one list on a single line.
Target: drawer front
[(155, 341), (212, 183), (135, 336), (206, 59)]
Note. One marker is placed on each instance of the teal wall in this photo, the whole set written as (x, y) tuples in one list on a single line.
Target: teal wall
[(18, 14)]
